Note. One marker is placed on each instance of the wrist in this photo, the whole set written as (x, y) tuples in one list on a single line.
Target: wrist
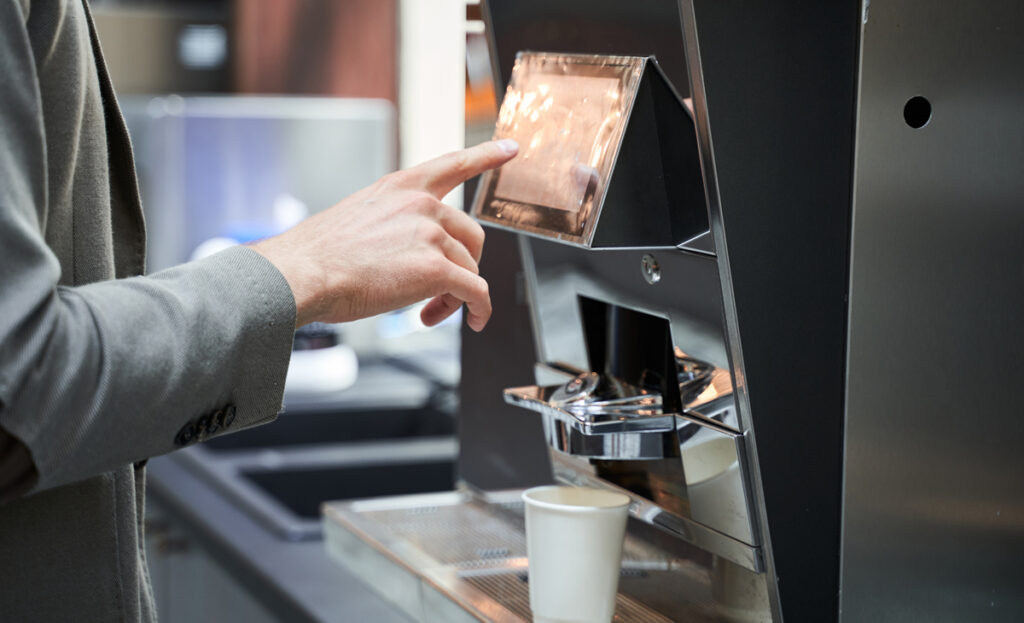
[(305, 285)]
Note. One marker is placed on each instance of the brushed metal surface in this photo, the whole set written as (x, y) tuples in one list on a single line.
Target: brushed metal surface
[(934, 504)]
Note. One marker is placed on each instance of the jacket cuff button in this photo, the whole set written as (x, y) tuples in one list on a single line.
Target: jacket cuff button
[(186, 435), (216, 422), (203, 426), (229, 415)]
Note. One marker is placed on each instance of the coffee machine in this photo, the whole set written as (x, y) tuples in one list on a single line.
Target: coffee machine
[(626, 301), (761, 272)]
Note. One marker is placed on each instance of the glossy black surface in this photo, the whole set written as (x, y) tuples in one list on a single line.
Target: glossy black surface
[(780, 83), (500, 446), (656, 192), (635, 28)]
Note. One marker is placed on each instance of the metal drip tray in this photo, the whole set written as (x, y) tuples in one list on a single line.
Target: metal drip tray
[(460, 556)]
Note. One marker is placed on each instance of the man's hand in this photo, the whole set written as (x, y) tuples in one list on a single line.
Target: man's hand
[(392, 244)]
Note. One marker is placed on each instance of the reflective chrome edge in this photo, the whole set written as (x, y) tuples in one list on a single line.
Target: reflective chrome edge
[(732, 331)]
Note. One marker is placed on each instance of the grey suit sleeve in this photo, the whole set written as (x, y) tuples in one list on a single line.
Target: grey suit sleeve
[(97, 376)]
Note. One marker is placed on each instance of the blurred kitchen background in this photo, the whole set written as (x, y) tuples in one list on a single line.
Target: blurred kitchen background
[(246, 117)]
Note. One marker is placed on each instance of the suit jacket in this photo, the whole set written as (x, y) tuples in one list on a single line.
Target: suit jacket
[(101, 368)]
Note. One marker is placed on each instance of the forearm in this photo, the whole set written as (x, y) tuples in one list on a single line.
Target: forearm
[(110, 373)]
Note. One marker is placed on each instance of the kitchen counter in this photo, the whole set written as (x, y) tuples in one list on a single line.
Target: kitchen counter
[(294, 581), (222, 547)]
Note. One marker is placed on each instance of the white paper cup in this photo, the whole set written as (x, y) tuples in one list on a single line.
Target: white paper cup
[(574, 542)]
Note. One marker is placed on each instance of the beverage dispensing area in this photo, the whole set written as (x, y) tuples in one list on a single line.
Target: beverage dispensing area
[(758, 279)]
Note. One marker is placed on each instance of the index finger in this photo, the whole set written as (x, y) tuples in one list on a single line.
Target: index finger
[(442, 174)]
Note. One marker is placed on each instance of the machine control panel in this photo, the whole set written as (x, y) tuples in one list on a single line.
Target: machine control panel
[(568, 113)]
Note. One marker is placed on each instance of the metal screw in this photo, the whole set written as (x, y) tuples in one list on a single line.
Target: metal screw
[(651, 269)]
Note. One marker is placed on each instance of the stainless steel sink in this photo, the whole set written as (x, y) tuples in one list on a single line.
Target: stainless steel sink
[(284, 487), (390, 434), (302, 491)]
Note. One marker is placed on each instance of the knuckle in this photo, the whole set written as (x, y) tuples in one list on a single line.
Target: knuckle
[(426, 204), (459, 162), (433, 234)]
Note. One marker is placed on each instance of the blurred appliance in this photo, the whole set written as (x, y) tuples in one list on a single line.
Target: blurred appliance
[(165, 47), (347, 48), (247, 167)]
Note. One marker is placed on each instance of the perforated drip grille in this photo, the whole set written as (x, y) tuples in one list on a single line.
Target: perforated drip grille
[(512, 591), (460, 534)]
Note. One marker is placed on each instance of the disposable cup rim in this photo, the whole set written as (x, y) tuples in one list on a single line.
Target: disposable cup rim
[(569, 508)]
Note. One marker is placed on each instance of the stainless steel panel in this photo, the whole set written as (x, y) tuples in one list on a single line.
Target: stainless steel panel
[(715, 481), (934, 505)]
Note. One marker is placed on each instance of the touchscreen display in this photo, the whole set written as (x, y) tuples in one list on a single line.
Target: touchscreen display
[(563, 129), (568, 113)]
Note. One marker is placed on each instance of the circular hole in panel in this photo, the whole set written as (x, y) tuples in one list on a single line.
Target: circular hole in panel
[(917, 112)]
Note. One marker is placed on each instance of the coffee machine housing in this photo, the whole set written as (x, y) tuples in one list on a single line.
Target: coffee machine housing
[(609, 175), (848, 305)]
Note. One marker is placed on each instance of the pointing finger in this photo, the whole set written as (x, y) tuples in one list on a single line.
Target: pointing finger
[(440, 175)]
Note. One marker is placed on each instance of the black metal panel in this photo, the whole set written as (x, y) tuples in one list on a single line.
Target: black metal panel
[(631, 28), (500, 446), (655, 196), (780, 82)]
